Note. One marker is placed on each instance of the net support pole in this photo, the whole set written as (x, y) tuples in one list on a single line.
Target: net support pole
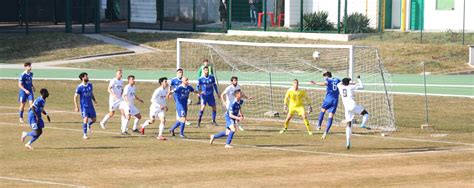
[(351, 62), (271, 88), (427, 121), (387, 97), (178, 54)]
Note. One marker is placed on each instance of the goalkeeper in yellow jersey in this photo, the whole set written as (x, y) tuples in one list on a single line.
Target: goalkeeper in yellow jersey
[(294, 100)]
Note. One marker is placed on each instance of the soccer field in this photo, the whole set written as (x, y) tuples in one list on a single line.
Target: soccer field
[(262, 157)]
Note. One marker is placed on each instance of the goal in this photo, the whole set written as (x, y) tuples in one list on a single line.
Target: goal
[(267, 70)]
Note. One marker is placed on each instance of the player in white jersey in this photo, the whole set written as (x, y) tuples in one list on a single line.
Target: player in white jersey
[(115, 89), (127, 106), (228, 95), (158, 107), (346, 90)]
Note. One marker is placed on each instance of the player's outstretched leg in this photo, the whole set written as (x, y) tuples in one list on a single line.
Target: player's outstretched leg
[(287, 122), (348, 135), (106, 118), (306, 123), (328, 126), (145, 124), (215, 136), (176, 125)]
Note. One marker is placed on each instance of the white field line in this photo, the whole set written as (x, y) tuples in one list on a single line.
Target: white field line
[(266, 84), (283, 149), (40, 181), (271, 128)]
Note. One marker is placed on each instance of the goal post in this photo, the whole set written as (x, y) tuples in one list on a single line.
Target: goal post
[(266, 72)]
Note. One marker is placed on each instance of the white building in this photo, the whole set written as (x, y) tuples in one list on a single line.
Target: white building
[(433, 15)]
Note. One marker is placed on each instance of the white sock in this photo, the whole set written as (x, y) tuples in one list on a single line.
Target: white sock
[(146, 123), (124, 124), (348, 134), (161, 127), (365, 118), (106, 117), (135, 124)]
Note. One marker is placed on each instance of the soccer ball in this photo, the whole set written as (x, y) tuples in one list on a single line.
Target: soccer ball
[(190, 101), (316, 55)]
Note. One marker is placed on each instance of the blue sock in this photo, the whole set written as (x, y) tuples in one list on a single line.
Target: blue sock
[(220, 134), (21, 113), (328, 126), (229, 138), (214, 116), (84, 127), (200, 116), (176, 125), (320, 118), (90, 123), (181, 131)]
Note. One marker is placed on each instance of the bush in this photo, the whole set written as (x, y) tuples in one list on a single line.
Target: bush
[(358, 23), (317, 21)]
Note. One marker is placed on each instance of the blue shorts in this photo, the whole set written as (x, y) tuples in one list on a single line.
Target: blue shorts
[(181, 110), (209, 99), (330, 105), (33, 124), (228, 121), (23, 97), (88, 112)]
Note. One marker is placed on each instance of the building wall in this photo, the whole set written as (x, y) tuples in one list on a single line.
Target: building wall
[(143, 11), (442, 20)]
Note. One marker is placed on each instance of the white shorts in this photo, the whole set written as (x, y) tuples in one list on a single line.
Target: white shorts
[(129, 109), (114, 105), (352, 110), (156, 112)]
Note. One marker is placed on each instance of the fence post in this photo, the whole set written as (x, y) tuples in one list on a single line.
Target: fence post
[(229, 14), (97, 16), (83, 14), (194, 15), (67, 15), (27, 18), (338, 16), (264, 15), (129, 14), (301, 15), (345, 16)]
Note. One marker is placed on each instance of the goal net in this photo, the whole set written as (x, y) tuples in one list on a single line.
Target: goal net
[(267, 70)]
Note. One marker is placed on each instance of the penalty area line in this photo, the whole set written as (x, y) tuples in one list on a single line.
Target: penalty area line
[(40, 181)]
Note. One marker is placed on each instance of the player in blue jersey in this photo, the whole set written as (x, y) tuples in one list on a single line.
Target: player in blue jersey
[(207, 85), (233, 114), (330, 101), (181, 95), (175, 82), (26, 89), (85, 91), (35, 119)]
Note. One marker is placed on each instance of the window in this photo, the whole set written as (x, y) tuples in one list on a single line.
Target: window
[(444, 4)]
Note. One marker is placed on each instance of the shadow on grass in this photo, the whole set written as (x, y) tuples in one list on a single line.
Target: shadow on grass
[(92, 148), (410, 150), (281, 145)]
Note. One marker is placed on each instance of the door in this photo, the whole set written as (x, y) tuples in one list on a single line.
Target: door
[(416, 14), (388, 14)]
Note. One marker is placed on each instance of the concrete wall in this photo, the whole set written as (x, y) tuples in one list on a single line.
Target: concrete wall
[(441, 20), (366, 7)]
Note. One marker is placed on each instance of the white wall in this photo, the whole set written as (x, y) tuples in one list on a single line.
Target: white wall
[(292, 9), (441, 20), (143, 11)]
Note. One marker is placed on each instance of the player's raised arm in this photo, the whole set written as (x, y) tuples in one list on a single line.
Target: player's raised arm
[(224, 93), (359, 84), (287, 97)]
